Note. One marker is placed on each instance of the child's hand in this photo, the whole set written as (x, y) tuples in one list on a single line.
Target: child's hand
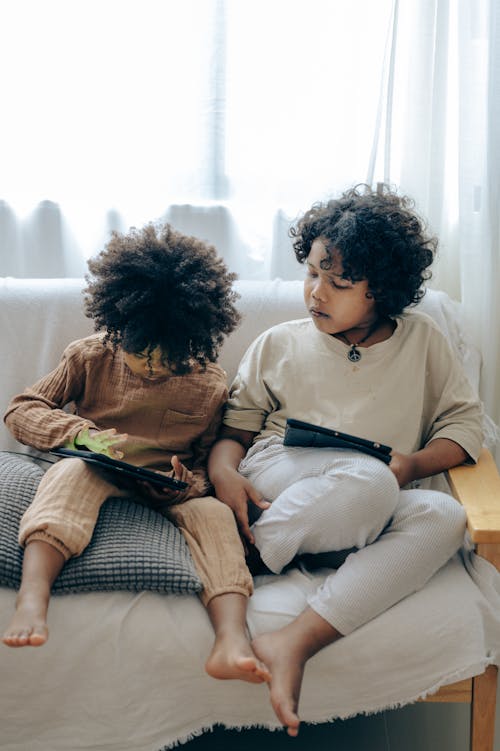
[(102, 441), (180, 472), (236, 491), (160, 497), (402, 466)]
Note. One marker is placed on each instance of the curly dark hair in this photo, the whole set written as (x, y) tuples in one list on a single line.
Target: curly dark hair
[(380, 238), (155, 287)]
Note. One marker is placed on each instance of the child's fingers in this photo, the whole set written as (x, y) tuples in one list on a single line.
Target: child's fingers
[(181, 472), (177, 466), (111, 438), (165, 494), (256, 497), (120, 438), (158, 494), (104, 440), (260, 502), (115, 454), (104, 436), (187, 475), (242, 521), (240, 511)]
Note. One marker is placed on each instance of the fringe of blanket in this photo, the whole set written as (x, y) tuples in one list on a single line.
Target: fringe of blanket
[(459, 675)]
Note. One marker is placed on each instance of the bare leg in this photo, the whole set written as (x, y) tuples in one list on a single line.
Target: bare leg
[(41, 565), (232, 655), (286, 652)]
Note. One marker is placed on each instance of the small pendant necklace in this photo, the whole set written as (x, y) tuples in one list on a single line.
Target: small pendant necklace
[(354, 355)]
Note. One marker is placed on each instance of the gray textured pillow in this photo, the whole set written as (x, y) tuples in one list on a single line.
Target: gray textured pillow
[(133, 547)]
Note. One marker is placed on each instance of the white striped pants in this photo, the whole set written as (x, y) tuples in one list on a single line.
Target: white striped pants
[(330, 499)]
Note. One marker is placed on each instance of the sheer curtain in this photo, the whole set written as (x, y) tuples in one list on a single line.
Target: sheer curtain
[(230, 117), (444, 149), (107, 116), (227, 115)]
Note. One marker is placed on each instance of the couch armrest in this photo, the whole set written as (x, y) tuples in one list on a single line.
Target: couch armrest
[(477, 487)]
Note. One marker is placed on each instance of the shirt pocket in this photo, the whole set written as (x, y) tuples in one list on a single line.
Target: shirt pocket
[(178, 429)]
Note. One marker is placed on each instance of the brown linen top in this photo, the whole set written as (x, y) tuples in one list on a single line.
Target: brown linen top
[(175, 415)]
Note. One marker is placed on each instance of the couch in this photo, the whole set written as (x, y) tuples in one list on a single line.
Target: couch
[(123, 670)]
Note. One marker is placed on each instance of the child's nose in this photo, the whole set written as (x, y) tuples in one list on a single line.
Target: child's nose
[(318, 290)]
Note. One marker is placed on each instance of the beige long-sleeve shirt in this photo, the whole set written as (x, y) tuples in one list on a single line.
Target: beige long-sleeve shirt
[(93, 387), (403, 392)]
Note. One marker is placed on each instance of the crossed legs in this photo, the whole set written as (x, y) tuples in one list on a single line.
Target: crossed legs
[(402, 539)]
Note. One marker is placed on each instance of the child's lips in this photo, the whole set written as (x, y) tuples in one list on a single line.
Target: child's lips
[(156, 377), (316, 313)]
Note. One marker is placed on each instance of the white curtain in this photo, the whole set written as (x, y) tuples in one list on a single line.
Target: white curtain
[(117, 112), (230, 117), (444, 149)]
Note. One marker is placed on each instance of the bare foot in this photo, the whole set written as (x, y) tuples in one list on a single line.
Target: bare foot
[(28, 627), (287, 669), (286, 652), (233, 658), (232, 655), (41, 565)]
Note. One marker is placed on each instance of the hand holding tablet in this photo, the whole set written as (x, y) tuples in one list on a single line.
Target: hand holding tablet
[(123, 468)]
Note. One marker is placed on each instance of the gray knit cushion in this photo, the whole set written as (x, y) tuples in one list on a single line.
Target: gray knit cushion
[(132, 548)]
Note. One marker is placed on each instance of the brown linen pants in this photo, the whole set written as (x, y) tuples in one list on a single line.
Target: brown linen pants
[(66, 505)]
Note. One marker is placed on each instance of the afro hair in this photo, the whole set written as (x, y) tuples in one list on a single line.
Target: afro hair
[(155, 287)]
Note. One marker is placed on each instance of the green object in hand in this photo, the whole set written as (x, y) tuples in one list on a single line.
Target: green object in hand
[(101, 442)]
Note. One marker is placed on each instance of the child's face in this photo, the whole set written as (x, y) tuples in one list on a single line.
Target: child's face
[(336, 304), (148, 364)]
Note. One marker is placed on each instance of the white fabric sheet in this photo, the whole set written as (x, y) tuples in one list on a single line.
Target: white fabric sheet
[(124, 672)]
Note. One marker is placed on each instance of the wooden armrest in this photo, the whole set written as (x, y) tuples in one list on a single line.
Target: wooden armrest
[(477, 487)]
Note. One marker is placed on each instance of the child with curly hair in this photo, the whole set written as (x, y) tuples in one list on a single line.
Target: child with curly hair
[(364, 364), (145, 388)]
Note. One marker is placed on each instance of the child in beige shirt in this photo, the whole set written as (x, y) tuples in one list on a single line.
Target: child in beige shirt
[(361, 364), (145, 389)]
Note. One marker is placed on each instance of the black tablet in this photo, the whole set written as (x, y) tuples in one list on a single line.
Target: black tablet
[(123, 468), (305, 434)]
